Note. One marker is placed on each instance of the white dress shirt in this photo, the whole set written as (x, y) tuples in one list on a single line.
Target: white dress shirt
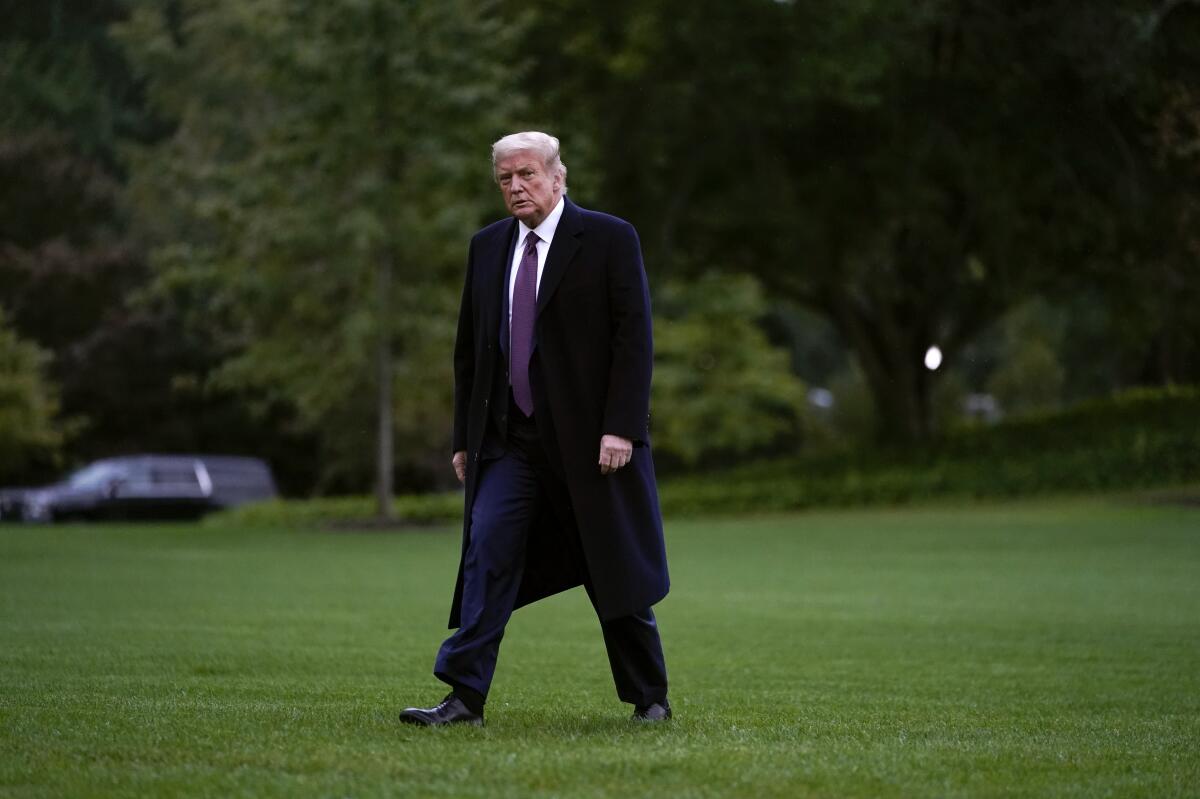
[(545, 232)]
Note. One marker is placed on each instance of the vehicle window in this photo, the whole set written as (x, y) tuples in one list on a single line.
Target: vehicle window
[(98, 475), (239, 477), (174, 473)]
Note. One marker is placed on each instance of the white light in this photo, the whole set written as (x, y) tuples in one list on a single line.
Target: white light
[(933, 358), (820, 398)]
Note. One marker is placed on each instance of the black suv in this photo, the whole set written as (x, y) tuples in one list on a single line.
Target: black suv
[(144, 487)]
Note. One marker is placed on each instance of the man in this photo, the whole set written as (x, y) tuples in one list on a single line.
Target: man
[(551, 409)]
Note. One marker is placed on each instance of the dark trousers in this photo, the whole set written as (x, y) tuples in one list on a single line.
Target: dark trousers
[(512, 490)]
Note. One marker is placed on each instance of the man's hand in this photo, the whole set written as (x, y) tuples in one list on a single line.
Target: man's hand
[(615, 452), (460, 465)]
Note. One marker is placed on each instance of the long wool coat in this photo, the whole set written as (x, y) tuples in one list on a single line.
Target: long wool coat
[(590, 375)]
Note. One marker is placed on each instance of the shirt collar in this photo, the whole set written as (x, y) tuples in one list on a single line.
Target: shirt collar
[(545, 231)]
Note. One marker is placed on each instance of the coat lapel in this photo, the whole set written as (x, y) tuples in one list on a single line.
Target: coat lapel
[(497, 285), (562, 250)]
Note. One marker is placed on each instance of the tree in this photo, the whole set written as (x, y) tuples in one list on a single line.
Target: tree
[(909, 171), (1167, 308), (71, 275), (323, 175), (30, 435), (724, 390), (1027, 375), (60, 72)]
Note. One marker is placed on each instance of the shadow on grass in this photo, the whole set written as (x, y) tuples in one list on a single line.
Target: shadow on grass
[(530, 725)]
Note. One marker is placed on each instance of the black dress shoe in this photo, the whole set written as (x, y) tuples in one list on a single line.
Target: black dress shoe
[(659, 711), (452, 710)]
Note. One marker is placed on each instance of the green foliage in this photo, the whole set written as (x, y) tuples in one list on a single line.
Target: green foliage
[(71, 280), (339, 511), (61, 72), (719, 386), (1029, 376), (1031, 379), (909, 171), (906, 171), (1138, 439), (29, 432), (317, 195), (853, 415)]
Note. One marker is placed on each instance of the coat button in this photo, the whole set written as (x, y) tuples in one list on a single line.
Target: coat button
[(485, 402), (477, 457)]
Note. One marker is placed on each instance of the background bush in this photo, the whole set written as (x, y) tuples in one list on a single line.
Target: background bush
[(1139, 439), (28, 405), (340, 511), (725, 391)]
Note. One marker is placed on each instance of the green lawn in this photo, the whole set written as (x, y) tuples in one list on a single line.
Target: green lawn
[(1048, 649)]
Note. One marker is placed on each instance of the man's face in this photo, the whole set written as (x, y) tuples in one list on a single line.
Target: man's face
[(529, 191)]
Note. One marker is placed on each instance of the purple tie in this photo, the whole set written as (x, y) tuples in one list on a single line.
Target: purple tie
[(524, 303)]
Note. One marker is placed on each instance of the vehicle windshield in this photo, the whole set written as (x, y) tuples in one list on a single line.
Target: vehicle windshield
[(97, 475)]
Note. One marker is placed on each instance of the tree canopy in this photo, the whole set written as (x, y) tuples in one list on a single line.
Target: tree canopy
[(241, 225), (29, 429), (325, 171), (910, 172)]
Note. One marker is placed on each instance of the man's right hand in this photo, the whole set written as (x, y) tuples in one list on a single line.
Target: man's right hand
[(460, 465)]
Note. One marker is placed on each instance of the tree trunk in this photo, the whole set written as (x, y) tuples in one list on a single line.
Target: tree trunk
[(891, 356), (385, 439), (385, 461), (899, 385)]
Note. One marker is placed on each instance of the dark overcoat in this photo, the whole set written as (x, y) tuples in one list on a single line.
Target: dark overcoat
[(590, 375)]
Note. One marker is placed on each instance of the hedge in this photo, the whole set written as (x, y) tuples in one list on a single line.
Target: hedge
[(418, 509), (1136, 440)]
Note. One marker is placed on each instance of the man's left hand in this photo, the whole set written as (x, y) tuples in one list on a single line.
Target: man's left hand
[(615, 452)]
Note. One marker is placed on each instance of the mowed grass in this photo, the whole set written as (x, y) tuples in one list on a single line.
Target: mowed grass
[(1048, 649)]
